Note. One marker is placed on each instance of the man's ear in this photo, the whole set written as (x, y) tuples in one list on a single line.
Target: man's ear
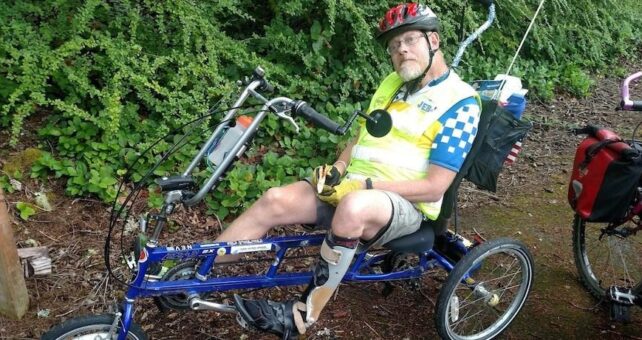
[(434, 40)]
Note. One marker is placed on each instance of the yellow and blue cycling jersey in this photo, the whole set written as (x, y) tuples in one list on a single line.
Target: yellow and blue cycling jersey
[(436, 125)]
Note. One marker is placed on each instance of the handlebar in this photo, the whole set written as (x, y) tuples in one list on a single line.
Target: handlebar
[(626, 103), (281, 106), (304, 110)]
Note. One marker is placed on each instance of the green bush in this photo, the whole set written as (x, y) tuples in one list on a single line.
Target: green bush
[(112, 77)]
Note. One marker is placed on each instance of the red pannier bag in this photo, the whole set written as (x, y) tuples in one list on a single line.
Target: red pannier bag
[(605, 178)]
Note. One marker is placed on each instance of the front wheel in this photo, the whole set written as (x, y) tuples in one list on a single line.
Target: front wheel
[(607, 255), (90, 328), (485, 291)]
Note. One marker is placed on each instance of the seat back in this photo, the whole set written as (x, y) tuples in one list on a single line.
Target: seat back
[(450, 196), (423, 239)]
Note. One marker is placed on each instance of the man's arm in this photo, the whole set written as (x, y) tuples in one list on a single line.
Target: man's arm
[(344, 158), (429, 189)]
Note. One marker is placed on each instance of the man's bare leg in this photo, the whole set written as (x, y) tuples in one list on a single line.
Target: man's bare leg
[(290, 204)]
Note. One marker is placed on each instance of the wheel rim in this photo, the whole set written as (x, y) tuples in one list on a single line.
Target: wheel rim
[(608, 260), (502, 281), (92, 332)]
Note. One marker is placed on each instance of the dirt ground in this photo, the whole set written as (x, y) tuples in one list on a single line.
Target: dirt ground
[(530, 205)]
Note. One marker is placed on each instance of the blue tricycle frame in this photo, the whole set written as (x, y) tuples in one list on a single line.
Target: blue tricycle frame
[(141, 287)]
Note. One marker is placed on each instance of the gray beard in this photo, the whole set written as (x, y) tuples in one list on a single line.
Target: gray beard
[(409, 73)]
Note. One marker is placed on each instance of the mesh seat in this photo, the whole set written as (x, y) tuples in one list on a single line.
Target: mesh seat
[(424, 238)]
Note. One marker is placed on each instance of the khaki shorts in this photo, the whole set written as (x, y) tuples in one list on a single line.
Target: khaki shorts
[(405, 219)]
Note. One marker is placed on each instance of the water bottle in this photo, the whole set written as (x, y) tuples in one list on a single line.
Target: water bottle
[(229, 139), (516, 104)]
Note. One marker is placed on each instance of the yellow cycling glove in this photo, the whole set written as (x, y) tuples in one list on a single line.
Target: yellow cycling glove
[(325, 175), (333, 194)]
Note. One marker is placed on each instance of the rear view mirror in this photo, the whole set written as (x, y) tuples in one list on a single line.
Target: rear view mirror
[(378, 123)]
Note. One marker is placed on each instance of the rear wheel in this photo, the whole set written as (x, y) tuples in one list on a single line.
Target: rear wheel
[(606, 256), (91, 327), (485, 291)]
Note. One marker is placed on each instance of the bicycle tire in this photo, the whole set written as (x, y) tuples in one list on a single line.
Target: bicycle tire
[(488, 291), (606, 260), (90, 325)]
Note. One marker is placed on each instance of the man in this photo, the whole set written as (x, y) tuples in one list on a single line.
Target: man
[(380, 188)]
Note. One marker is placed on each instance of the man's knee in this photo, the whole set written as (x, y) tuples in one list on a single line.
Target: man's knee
[(280, 200), (355, 203), (352, 214), (275, 199), (361, 210)]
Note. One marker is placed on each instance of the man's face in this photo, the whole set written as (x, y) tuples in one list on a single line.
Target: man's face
[(409, 53)]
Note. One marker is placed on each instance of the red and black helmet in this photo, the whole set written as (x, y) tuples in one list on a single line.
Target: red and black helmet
[(406, 17)]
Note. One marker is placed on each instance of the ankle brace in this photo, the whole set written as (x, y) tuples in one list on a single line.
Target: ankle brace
[(336, 255)]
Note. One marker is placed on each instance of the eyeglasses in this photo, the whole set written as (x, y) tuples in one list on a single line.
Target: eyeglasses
[(411, 40)]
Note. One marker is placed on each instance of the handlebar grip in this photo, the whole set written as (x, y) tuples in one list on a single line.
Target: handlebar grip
[(302, 108), (637, 105), (266, 87)]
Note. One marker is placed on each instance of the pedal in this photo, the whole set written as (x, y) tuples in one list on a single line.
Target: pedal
[(621, 296), (243, 323)]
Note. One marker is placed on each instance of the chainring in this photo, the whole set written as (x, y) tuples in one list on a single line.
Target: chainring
[(182, 271)]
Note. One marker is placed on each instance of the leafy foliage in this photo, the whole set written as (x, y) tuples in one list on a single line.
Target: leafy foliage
[(110, 77), (26, 210)]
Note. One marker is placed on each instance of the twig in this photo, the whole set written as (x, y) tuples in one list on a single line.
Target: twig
[(209, 336), (336, 293), (84, 199), (49, 237), (69, 312), (580, 307), (427, 298), (220, 224), (387, 311), (494, 197), (373, 330), (479, 235)]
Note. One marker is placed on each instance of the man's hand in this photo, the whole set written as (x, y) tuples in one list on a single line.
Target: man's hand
[(333, 194), (325, 175)]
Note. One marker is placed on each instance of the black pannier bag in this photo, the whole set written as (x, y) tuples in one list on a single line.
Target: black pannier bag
[(503, 131)]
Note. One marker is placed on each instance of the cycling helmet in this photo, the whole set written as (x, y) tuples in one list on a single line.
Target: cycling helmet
[(406, 17)]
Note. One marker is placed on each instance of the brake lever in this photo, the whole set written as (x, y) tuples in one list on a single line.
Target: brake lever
[(283, 115)]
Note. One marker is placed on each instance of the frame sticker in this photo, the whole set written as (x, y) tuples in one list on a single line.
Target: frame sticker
[(250, 248)]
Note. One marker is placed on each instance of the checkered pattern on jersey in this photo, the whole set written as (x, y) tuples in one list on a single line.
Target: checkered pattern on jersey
[(456, 136)]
